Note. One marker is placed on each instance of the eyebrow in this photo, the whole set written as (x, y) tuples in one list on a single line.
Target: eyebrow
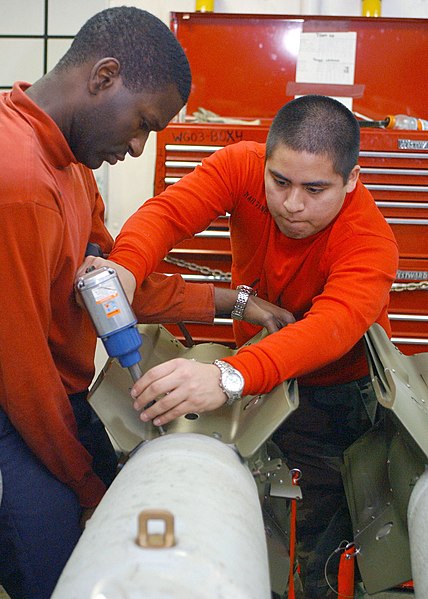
[(152, 121), (320, 183), (155, 125)]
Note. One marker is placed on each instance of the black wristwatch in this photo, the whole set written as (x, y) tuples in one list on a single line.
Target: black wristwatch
[(231, 381), (244, 292)]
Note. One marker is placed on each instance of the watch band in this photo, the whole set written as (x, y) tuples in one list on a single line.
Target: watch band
[(231, 381), (244, 292)]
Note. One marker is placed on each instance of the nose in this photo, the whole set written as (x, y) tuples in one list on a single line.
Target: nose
[(136, 145), (293, 201)]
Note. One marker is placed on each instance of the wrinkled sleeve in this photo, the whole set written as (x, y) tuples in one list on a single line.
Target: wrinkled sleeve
[(168, 299), (32, 393), (356, 292), (181, 211)]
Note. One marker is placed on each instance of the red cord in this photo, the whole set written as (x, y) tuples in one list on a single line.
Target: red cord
[(295, 475), (346, 573)]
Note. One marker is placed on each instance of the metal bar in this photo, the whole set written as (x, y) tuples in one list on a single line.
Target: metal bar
[(406, 205), (407, 221), (409, 340), (223, 321), (185, 148), (412, 188), (409, 317), (406, 155), (216, 234), (135, 371), (197, 278), (181, 164), (393, 171)]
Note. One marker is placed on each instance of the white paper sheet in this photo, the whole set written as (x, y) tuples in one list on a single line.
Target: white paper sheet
[(327, 57)]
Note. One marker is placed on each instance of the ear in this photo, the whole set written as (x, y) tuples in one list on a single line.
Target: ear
[(353, 178), (103, 75)]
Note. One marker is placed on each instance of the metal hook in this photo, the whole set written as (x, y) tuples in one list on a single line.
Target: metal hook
[(296, 475)]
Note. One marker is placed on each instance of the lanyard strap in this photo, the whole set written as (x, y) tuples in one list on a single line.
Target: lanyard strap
[(295, 476), (346, 573)]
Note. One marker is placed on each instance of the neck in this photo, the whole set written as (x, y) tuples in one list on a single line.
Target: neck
[(54, 94)]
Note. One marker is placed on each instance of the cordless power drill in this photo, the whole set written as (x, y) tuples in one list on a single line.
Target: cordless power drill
[(113, 318)]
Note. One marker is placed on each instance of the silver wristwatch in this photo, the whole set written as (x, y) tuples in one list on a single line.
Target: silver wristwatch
[(231, 381), (244, 293)]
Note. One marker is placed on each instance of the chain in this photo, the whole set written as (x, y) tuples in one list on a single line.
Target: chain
[(218, 274), (410, 286)]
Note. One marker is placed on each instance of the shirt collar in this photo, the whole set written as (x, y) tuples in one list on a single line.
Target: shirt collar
[(54, 143)]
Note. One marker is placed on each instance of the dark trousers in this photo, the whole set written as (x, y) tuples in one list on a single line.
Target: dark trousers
[(39, 515), (313, 439)]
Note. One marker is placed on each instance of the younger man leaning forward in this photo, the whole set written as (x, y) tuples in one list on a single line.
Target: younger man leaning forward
[(307, 236)]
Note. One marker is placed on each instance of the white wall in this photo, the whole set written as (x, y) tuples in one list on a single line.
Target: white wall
[(131, 183)]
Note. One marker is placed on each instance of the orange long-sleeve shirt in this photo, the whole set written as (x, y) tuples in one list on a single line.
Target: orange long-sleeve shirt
[(49, 209), (335, 282)]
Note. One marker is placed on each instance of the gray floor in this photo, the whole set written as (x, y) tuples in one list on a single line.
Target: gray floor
[(387, 595)]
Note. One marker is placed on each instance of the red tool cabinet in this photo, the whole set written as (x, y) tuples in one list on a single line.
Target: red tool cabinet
[(394, 163), (245, 65)]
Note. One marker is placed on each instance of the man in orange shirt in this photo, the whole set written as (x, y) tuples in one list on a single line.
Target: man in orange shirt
[(124, 75), (307, 236)]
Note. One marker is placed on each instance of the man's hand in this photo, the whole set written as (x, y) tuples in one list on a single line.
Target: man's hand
[(125, 276), (86, 515), (257, 311), (260, 312), (178, 387)]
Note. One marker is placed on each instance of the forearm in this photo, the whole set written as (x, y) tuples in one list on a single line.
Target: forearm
[(224, 299), (257, 311), (168, 299)]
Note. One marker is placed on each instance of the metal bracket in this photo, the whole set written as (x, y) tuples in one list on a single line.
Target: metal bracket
[(281, 484)]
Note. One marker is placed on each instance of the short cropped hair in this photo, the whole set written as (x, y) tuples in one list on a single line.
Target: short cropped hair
[(318, 125), (150, 56)]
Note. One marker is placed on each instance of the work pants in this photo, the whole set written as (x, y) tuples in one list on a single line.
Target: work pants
[(39, 515), (313, 439)]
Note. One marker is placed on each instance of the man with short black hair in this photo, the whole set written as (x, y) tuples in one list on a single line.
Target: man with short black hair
[(124, 75), (307, 236)]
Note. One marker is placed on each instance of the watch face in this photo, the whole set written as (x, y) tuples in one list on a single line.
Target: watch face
[(233, 382)]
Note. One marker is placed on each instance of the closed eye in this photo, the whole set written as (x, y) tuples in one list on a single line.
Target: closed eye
[(314, 190), (281, 182)]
